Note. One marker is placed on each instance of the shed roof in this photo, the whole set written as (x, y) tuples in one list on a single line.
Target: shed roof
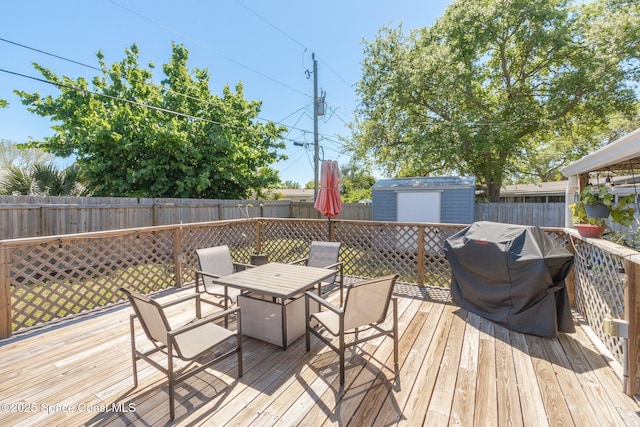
[(621, 154), (417, 183)]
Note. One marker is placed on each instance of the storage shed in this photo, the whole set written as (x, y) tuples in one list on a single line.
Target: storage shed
[(447, 199)]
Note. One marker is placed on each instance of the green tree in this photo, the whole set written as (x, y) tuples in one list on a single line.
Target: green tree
[(42, 179), (134, 138), (290, 184), (542, 158), (356, 183), (469, 94)]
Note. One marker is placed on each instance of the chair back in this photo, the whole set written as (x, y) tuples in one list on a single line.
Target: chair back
[(151, 316), (323, 254), (215, 260), (367, 301)]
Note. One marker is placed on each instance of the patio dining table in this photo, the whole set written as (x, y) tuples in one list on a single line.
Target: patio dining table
[(272, 304)]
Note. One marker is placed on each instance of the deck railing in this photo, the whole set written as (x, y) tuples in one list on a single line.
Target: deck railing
[(46, 279)]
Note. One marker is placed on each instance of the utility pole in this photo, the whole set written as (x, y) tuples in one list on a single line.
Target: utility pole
[(316, 148)]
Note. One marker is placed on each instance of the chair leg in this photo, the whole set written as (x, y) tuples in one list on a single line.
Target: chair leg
[(134, 359), (395, 334), (239, 338), (342, 347), (307, 324), (226, 306), (172, 386)]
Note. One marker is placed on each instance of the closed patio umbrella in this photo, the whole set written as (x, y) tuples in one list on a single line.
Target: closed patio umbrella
[(329, 202)]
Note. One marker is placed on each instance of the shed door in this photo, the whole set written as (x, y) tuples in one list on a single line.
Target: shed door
[(418, 206)]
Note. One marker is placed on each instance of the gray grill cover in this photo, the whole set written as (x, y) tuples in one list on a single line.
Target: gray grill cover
[(513, 275)]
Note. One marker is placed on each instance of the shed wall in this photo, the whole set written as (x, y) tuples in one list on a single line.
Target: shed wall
[(384, 205), (456, 204)]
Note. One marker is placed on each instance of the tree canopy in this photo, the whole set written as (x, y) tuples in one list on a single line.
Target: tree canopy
[(356, 183), (132, 137), (493, 80), (11, 154)]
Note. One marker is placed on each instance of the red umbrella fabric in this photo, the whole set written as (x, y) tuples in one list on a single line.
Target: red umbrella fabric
[(329, 202)]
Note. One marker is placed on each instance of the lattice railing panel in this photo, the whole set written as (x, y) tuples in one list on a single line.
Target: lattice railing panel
[(288, 240), (599, 291), (53, 278), (437, 269), (59, 278)]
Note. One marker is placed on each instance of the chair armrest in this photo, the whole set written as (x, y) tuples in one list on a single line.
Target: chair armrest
[(200, 273), (203, 321), (243, 265), (298, 261), (181, 300), (323, 302), (337, 264), (204, 273)]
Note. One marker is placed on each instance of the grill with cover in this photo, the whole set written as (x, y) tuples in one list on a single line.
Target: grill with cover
[(513, 275)]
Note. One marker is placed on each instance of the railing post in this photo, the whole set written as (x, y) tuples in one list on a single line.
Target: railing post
[(632, 315), (332, 226), (5, 294), (570, 280), (258, 247), (178, 256), (421, 255)]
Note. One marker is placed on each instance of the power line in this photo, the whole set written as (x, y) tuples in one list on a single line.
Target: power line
[(50, 54), (137, 103), (146, 83), (228, 58), (292, 39), (160, 87), (273, 26)]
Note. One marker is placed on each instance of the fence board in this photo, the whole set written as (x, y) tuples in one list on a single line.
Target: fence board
[(30, 216)]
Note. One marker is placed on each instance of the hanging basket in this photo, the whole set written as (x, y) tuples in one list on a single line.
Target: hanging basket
[(597, 210), (590, 230)]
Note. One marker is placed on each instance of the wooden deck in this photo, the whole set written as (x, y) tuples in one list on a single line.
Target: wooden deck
[(455, 369)]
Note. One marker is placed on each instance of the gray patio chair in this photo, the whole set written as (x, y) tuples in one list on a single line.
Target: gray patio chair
[(189, 342), (365, 307), (325, 255), (216, 262)]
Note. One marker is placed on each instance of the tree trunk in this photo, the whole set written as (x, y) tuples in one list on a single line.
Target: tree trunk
[(493, 190)]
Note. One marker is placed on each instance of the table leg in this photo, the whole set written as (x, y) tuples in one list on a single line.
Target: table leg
[(284, 325)]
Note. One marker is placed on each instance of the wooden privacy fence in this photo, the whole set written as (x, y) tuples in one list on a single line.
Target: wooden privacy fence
[(539, 214), (50, 278), (27, 216)]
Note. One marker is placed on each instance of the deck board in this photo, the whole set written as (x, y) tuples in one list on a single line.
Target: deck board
[(455, 369)]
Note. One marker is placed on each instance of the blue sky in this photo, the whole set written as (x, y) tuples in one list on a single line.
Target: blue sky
[(265, 44)]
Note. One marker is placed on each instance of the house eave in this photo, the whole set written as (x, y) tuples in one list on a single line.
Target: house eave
[(623, 153)]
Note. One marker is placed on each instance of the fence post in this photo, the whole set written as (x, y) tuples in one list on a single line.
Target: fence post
[(43, 221), (5, 294), (632, 315)]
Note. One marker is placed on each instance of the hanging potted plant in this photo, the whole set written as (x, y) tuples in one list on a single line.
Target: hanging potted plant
[(594, 206), (598, 202), (587, 226)]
